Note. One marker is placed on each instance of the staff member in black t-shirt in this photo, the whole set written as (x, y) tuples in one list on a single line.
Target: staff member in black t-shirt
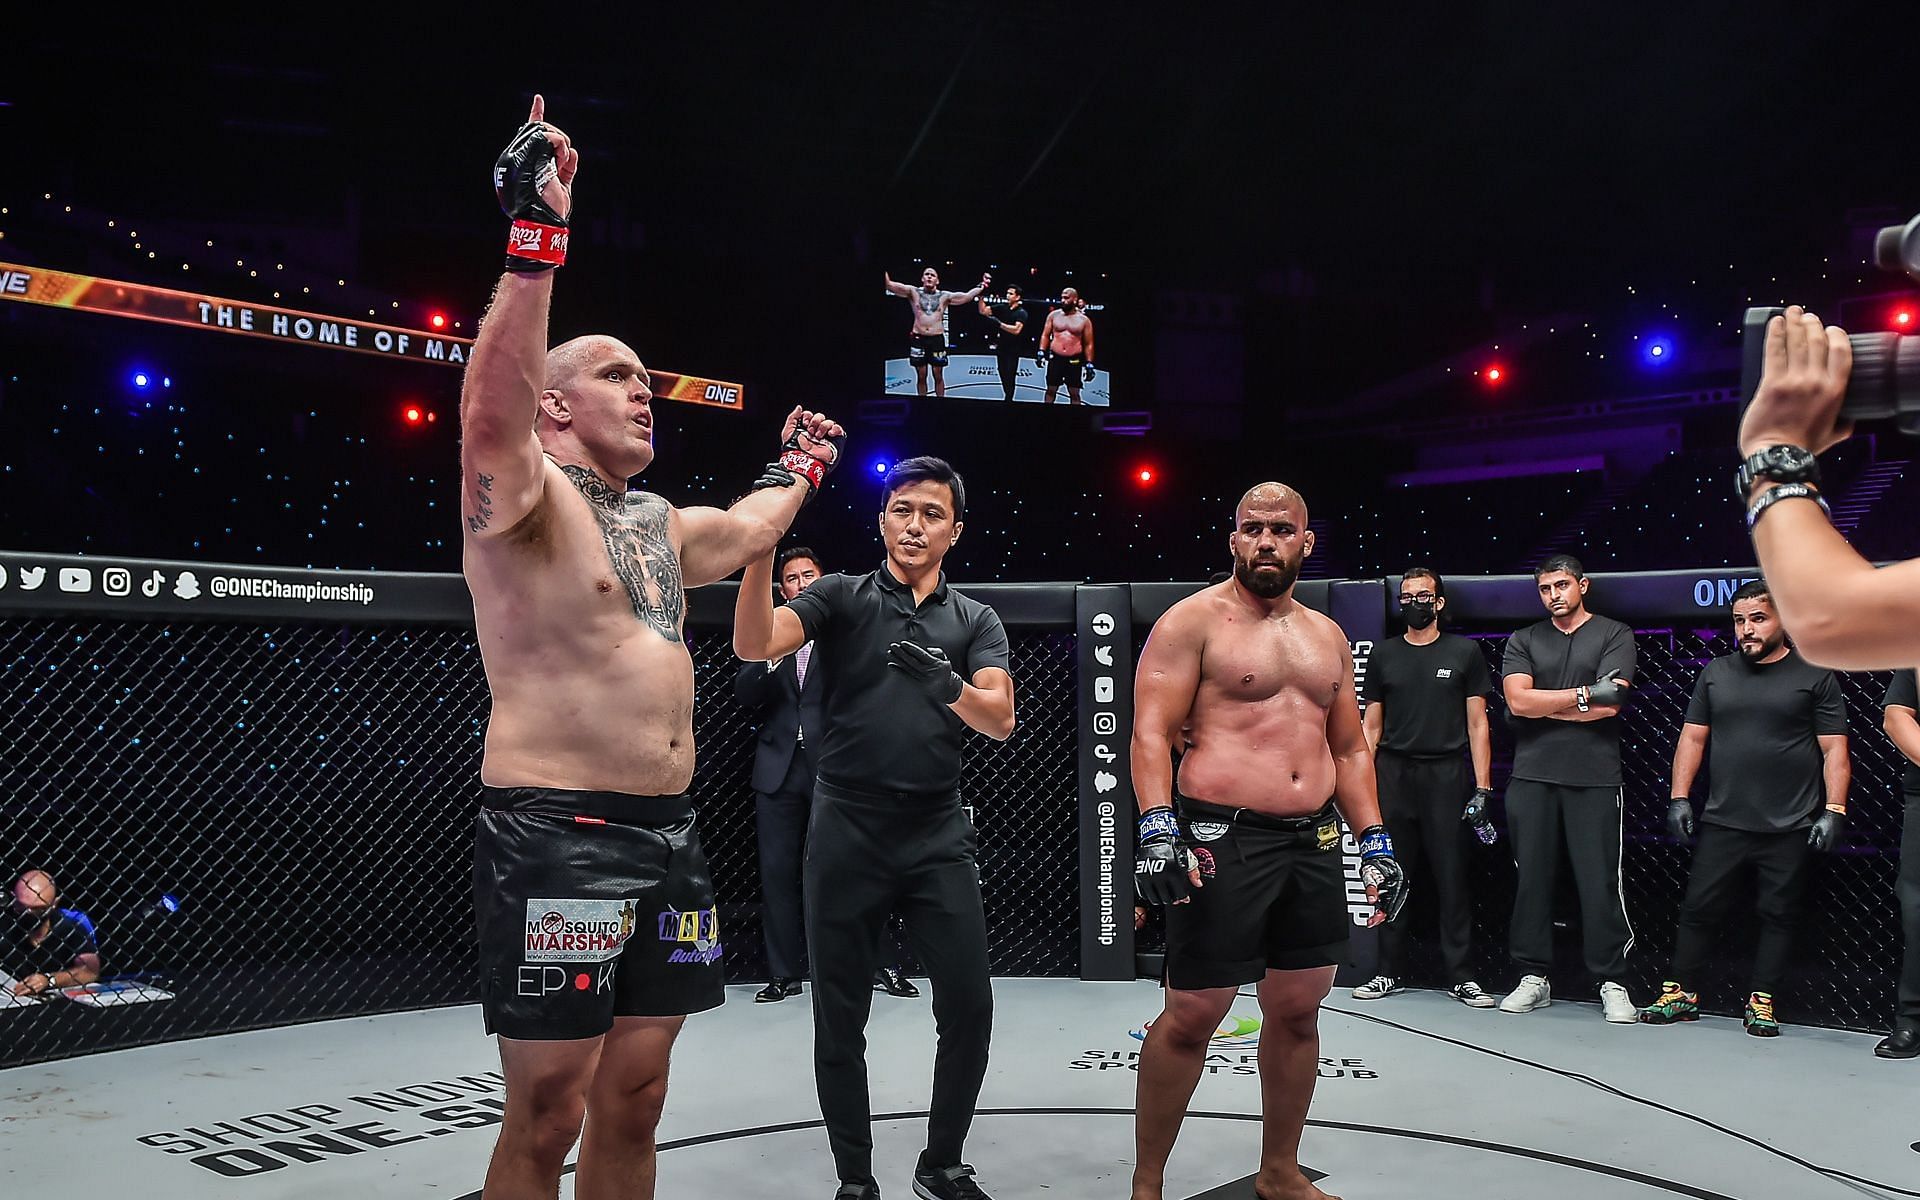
[(1010, 347), (1426, 695), (1565, 681), (1778, 727), (47, 947), (1903, 698), (909, 666)]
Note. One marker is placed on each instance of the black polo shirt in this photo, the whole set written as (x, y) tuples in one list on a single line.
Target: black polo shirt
[(69, 937), (1425, 689), (1569, 753), (1902, 691), (885, 733), (1763, 763), (1011, 345)]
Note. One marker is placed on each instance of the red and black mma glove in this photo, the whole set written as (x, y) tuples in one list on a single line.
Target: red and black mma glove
[(796, 463), (1161, 870), (1381, 872), (929, 667), (538, 240)]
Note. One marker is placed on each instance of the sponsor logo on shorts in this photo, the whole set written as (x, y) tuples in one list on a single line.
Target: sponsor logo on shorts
[(1207, 831), (538, 979), (1329, 835), (1203, 857), (577, 930), (697, 932)]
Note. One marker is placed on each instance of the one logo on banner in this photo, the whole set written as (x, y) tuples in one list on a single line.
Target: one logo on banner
[(31, 578), (1102, 624), (577, 930), (186, 586)]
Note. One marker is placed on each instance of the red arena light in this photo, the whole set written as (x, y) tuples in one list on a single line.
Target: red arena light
[(1903, 317), (412, 414), (1144, 475), (1496, 374), (438, 320)]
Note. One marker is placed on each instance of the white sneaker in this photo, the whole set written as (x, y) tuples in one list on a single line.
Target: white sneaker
[(1377, 988), (1532, 993), (1617, 1005), (1471, 995)]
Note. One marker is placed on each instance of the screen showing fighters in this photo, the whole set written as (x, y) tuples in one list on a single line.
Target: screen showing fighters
[(1029, 335)]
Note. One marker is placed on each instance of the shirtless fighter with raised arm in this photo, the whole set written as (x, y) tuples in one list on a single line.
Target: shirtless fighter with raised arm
[(1250, 865), (596, 915), (928, 349)]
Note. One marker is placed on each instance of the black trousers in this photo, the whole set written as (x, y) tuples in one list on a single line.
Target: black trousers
[(866, 857), (1540, 818), (1779, 862), (1010, 372), (1421, 800), (781, 818), (1908, 889)]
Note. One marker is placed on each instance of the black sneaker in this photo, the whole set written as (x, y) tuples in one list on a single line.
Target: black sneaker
[(857, 1191), (946, 1183)]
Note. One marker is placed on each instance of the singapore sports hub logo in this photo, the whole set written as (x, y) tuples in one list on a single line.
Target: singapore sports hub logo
[(1235, 1033)]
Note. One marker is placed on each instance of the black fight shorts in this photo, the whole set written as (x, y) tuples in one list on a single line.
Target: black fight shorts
[(591, 906), (1274, 897), (1068, 370), (927, 349)]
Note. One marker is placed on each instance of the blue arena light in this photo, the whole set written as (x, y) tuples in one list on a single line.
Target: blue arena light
[(881, 466), (142, 380), (1657, 350), (170, 903)]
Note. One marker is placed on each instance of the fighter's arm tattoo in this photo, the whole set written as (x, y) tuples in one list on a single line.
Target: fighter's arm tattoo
[(634, 527), (482, 497)]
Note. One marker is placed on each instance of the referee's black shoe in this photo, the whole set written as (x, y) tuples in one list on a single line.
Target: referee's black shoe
[(1901, 1043), (946, 1183), (891, 981)]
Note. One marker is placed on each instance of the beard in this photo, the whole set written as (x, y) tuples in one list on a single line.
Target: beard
[(1266, 584), (1756, 653)]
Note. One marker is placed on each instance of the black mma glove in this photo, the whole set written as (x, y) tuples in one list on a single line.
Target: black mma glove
[(1826, 832), (1381, 872), (1041, 356), (928, 667), (1476, 816), (1607, 693), (795, 462), (538, 240), (1087, 375), (1680, 818), (1162, 870)]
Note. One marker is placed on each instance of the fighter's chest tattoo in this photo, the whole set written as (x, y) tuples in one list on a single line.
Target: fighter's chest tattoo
[(929, 301), (634, 528)]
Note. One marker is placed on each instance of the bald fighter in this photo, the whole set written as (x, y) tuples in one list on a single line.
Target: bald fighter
[(1066, 346), (597, 925), (1261, 689), (928, 347)]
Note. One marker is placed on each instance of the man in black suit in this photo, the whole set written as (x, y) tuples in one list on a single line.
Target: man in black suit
[(789, 700)]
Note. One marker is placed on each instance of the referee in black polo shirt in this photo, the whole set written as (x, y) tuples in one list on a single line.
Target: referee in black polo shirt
[(1903, 698), (1426, 695), (909, 666), (1565, 680), (1778, 727)]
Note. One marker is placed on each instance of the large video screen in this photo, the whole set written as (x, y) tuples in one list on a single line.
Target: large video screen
[(1025, 335)]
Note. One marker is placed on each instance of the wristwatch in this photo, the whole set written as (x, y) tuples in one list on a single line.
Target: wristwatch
[(1782, 464)]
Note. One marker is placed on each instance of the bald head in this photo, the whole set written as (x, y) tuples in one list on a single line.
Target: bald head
[(1271, 497), (34, 892), (566, 361)]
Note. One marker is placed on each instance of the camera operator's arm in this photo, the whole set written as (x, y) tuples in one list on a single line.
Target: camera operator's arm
[(1841, 611)]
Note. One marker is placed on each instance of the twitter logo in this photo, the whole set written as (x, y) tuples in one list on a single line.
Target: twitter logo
[(32, 577)]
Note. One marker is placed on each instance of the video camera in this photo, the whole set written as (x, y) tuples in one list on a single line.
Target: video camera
[(1885, 382)]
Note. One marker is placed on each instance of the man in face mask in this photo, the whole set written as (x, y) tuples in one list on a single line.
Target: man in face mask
[(1426, 697), (47, 947)]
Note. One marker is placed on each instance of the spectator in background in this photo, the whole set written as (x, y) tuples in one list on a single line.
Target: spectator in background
[(47, 947), (1901, 726)]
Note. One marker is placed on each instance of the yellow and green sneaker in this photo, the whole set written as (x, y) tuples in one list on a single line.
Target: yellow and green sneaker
[(1673, 1005), (1758, 1016)]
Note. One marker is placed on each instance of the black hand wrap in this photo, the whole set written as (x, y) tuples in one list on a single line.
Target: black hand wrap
[(1382, 874), (929, 667), (1161, 869), (795, 463), (538, 239), (1476, 816), (1826, 832), (1680, 819)]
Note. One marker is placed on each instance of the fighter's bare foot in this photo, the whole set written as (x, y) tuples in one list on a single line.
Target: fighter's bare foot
[(1298, 1187)]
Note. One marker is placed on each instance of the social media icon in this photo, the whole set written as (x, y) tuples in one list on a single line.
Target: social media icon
[(1104, 752), (116, 581), (3, 576), (76, 579), (1104, 782), (152, 585), (32, 577), (1102, 624), (1105, 722), (1103, 690), (1103, 655), (187, 586)]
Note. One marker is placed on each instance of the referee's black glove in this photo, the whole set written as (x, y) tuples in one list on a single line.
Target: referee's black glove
[(928, 667)]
